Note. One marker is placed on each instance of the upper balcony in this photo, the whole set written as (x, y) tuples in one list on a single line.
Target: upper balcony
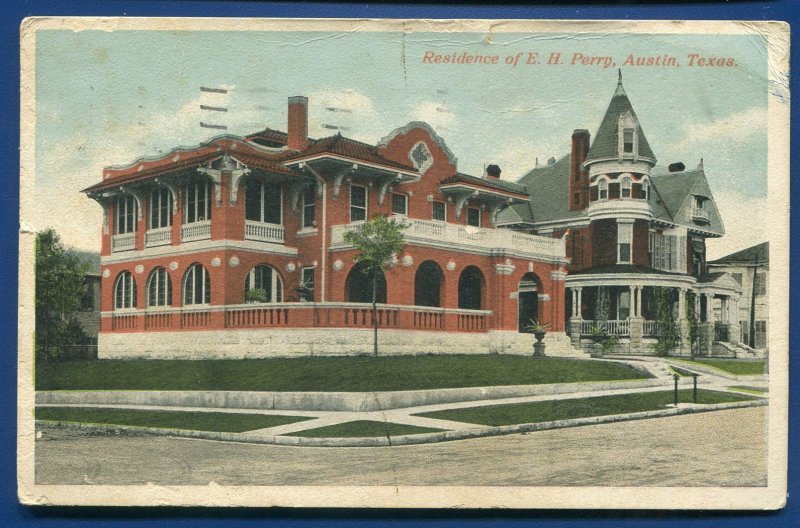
[(456, 236), (700, 215)]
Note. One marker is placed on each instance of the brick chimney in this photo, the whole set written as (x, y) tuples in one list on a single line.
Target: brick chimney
[(297, 127), (492, 171), (578, 176)]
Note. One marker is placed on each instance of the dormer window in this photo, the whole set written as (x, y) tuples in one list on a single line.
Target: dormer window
[(627, 138), (602, 190)]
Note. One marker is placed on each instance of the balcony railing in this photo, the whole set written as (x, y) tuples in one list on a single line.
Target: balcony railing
[(426, 232), (196, 231), (263, 232), (614, 327), (123, 242), (161, 236), (701, 215), (302, 315), (651, 328)]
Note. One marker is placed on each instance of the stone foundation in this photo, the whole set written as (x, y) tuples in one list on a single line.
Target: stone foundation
[(299, 342)]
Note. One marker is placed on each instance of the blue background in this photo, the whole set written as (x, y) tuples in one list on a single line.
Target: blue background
[(12, 514)]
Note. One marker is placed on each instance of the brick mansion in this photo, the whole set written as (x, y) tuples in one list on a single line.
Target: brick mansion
[(235, 248)]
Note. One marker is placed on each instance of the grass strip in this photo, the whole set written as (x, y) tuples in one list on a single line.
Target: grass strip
[(362, 429), (680, 372), (546, 411), (750, 390), (194, 421), (734, 366), (320, 374)]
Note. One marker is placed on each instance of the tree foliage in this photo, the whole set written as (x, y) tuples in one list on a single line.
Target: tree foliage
[(670, 336), (59, 288), (378, 242)]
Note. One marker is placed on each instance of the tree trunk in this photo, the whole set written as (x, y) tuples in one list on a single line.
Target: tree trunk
[(374, 312)]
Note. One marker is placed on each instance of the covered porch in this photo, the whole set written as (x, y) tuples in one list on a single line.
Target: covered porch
[(652, 313)]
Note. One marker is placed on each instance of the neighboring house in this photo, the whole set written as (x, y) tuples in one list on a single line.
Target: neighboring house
[(750, 268), (235, 248), (636, 236), (89, 313)]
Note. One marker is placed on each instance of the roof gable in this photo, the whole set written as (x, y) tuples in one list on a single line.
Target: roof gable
[(675, 191)]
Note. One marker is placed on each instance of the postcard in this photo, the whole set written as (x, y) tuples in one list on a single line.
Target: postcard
[(404, 263)]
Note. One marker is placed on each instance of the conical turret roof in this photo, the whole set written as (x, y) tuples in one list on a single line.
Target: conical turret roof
[(604, 145)]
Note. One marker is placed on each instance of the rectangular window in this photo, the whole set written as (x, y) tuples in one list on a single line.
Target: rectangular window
[(307, 284), (197, 205), (309, 207), (624, 242), (358, 203), (627, 140), (262, 202), (160, 208), (474, 216), (399, 204), (125, 215), (760, 334), (760, 285), (439, 211)]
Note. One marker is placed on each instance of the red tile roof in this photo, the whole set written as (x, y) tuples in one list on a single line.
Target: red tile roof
[(349, 148), (495, 185)]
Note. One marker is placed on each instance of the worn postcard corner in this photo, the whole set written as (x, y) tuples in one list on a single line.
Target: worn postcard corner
[(403, 263)]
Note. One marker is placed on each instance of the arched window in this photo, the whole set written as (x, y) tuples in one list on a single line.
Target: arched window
[(627, 184), (262, 202), (125, 291), (159, 288), (358, 285), (470, 289), (196, 286), (602, 189), (197, 202), (160, 208), (263, 284), (428, 284)]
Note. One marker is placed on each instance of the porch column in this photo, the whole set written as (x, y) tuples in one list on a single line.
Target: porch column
[(705, 330), (734, 328), (635, 324), (683, 324), (575, 320)]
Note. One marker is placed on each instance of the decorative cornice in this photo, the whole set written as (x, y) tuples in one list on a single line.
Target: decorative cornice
[(384, 142)]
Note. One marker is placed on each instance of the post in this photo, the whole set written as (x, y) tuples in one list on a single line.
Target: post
[(694, 389), (676, 377)]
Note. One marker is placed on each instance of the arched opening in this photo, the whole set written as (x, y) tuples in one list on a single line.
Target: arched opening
[(196, 286), (125, 291), (528, 301), (159, 288), (428, 283), (263, 284), (470, 288), (358, 285)]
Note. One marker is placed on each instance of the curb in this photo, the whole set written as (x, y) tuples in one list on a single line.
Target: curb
[(401, 440), (329, 401)]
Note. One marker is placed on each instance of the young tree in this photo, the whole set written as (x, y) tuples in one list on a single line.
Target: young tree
[(378, 242), (59, 287)]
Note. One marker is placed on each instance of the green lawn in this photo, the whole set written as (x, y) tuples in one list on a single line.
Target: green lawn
[(545, 411), (681, 372), (734, 366), (195, 421), (360, 373), (750, 390), (363, 428)]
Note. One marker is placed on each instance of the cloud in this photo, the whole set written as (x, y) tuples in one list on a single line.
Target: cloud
[(437, 115), (735, 127), (745, 220), (347, 111)]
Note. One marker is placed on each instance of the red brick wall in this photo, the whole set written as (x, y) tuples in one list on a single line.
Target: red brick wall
[(641, 233), (604, 242)]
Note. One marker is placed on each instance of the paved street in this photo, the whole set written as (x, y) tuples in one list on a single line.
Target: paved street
[(725, 448)]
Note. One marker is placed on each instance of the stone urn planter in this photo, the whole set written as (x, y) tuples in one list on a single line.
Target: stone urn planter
[(539, 335)]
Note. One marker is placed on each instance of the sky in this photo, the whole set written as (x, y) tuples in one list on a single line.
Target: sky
[(106, 98)]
